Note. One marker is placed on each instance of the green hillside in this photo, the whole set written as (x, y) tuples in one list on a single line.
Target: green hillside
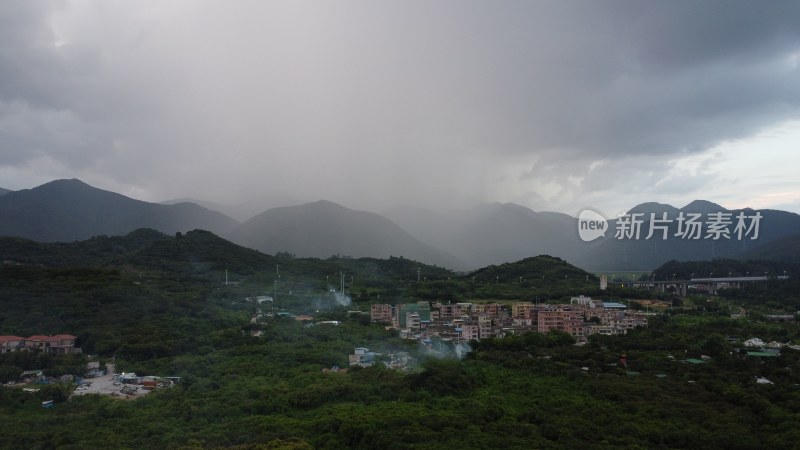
[(159, 305), (720, 268), (785, 250)]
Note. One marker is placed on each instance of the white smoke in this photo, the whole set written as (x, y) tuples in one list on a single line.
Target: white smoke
[(342, 299), (445, 349), (461, 349)]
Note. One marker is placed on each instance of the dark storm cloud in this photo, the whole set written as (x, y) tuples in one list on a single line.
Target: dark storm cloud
[(435, 102), (638, 77), (29, 67)]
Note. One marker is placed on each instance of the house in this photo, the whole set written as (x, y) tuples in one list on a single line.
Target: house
[(362, 357), (30, 376), (11, 343), (59, 344)]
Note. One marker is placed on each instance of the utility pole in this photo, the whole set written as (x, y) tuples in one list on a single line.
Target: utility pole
[(277, 280)]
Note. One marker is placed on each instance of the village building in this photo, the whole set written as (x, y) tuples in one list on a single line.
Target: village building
[(459, 322), (59, 344)]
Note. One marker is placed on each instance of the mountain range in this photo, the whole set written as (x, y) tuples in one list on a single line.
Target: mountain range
[(324, 228), (244, 210), (69, 210), (611, 254)]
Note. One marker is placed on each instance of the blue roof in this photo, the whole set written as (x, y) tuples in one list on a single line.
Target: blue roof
[(613, 305)]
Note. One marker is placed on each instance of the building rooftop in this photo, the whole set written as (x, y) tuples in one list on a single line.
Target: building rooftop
[(763, 354), (614, 305)]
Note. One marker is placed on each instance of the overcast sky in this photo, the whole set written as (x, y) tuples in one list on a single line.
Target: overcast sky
[(554, 105)]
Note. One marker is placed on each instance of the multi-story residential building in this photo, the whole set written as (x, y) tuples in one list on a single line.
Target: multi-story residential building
[(633, 321), (485, 324), (576, 327), (421, 308), (491, 309), (522, 310), (556, 318), (412, 320), (449, 311), (470, 331), (381, 313)]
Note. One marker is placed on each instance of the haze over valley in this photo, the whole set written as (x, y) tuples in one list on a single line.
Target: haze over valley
[(462, 239)]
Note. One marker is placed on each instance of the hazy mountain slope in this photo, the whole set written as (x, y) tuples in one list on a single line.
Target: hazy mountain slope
[(212, 206), (4, 191), (423, 224), (67, 210), (785, 249), (243, 211), (493, 233), (496, 233), (250, 208), (323, 228)]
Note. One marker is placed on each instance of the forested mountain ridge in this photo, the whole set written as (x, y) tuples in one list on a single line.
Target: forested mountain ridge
[(69, 210)]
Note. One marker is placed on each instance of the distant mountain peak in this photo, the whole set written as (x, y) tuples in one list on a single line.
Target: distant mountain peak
[(323, 202), (65, 181), (654, 207), (319, 206), (702, 206)]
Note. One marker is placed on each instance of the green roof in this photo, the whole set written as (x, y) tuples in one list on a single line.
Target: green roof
[(772, 354), (696, 361)]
